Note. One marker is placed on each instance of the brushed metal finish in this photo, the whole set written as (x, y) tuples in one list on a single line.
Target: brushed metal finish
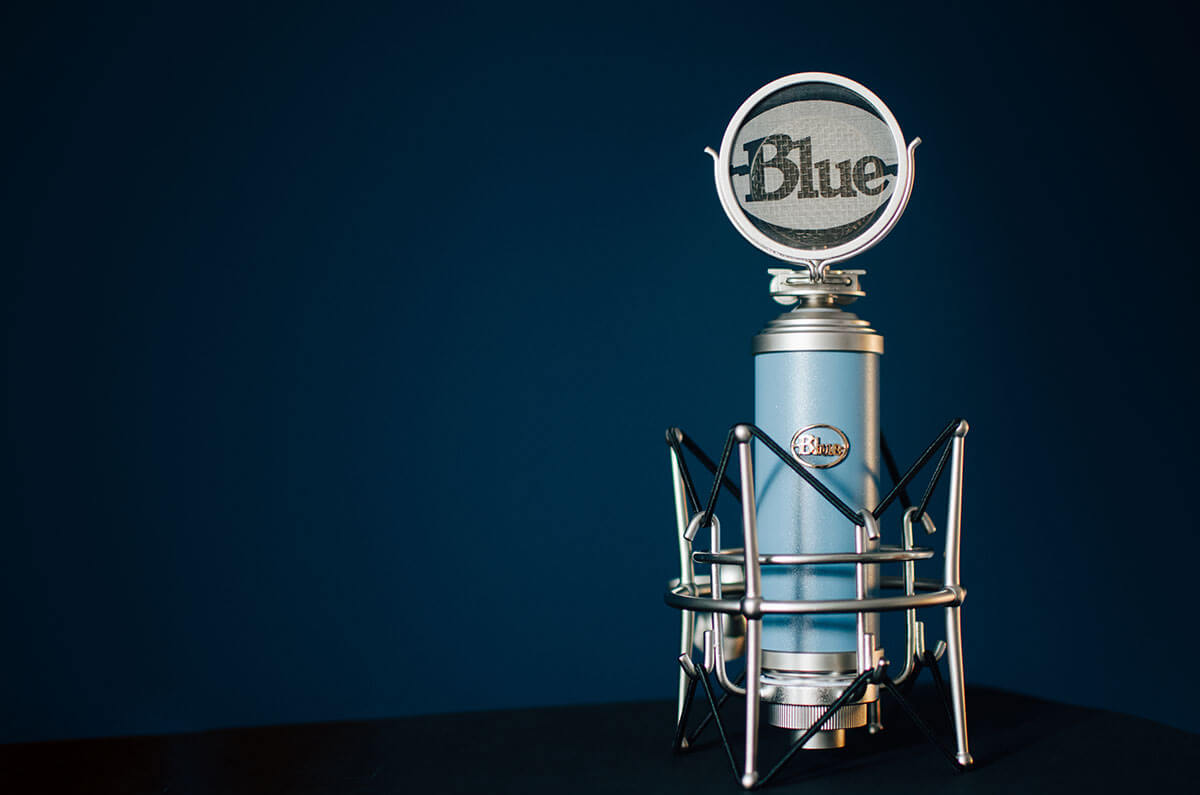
[(678, 597), (954, 656), (817, 329), (716, 645), (801, 716), (832, 288), (914, 644), (754, 646), (824, 740), (812, 662), (687, 573), (884, 554), (781, 687)]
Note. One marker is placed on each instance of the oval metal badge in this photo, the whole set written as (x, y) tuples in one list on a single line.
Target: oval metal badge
[(820, 446)]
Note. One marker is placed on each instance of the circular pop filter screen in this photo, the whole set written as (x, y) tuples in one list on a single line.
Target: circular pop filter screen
[(812, 166)]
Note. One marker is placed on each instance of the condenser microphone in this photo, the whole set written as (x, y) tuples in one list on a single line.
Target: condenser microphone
[(813, 169)]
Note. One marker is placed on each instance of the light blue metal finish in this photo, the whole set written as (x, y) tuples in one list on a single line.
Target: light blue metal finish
[(795, 389)]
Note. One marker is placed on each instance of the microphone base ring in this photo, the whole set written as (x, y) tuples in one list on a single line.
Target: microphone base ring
[(823, 740), (799, 717), (796, 701)]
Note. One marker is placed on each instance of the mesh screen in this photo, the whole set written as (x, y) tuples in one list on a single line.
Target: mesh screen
[(813, 166)]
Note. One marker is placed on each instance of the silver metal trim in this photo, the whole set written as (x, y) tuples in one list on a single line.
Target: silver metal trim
[(914, 630), (715, 644), (954, 658), (801, 716), (753, 594), (818, 341), (814, 662), (678, 598), (833, 288), (811, 689), (883, 555), (824, 740), (687, 576), (701, 586), (817, 329)]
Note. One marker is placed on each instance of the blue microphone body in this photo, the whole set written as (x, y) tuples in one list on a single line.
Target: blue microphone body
[(816, 382)]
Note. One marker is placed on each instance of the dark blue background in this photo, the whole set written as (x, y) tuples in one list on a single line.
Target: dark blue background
[(339, 345)]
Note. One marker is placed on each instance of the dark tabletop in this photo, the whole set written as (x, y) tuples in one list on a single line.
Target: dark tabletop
[(1020, 745)]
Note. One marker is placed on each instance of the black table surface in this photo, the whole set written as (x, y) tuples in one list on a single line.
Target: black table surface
[(1020, 744)]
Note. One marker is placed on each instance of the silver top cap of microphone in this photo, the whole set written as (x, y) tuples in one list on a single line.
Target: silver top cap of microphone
[(813, 169)]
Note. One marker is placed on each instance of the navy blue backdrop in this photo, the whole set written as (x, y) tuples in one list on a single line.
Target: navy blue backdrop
[(339, 345)]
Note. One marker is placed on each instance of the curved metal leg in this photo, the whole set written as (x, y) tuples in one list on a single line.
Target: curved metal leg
[(953, 623), (685, 643), (954, 661), (753, 592), (686, 575)]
